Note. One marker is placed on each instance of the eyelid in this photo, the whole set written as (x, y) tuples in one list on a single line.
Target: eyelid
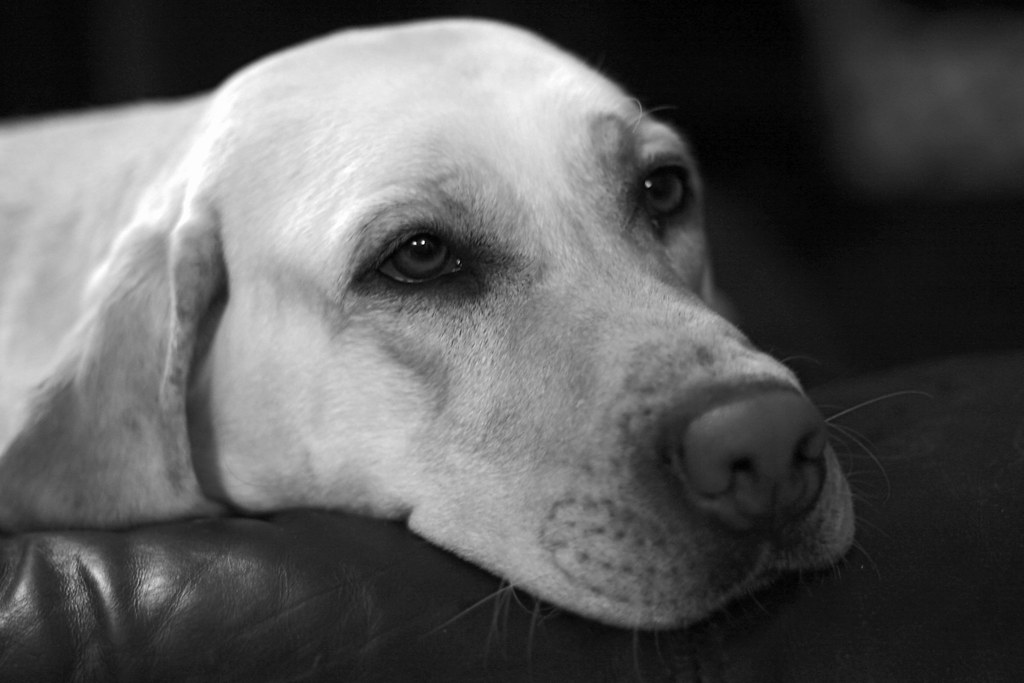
[(649, 163), (394, 243)]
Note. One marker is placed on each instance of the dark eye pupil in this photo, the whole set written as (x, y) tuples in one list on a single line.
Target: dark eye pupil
[(421, 258), (665, 191), (424, 248)]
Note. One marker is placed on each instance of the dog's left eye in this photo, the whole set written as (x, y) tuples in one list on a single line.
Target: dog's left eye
[(421, 258), (666, 191)]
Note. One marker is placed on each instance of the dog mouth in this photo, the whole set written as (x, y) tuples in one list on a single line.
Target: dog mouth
[(632, 569), (654, 560)]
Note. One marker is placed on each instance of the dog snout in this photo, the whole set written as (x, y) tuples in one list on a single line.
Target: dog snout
[(755, 463)]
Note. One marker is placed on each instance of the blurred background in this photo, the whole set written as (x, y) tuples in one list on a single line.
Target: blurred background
[(865, 158)]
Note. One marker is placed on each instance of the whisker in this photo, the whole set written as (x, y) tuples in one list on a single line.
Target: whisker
[(871, 401), (859, 547), (496, 596), (874, 528), (861, 498), (662, 107), (840, 440), (848, 434), (852, 435), (657, 646), (531, 634), (837, 569), (514, 595), (499, 617), (752, 594), (636, 655), (808, 359), (641, 113)]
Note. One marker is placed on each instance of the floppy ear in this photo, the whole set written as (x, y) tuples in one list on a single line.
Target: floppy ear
[(105, 441)]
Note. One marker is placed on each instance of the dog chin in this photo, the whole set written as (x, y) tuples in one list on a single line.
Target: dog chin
[(679, 612), (743, 567), (685, 611)]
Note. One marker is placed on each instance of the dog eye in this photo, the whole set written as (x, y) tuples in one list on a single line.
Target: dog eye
[(666, 191), (421, 258)]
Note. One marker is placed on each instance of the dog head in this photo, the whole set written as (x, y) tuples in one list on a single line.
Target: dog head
[(447, 273)]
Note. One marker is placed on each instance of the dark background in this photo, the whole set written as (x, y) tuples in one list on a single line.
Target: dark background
[(865, 158)]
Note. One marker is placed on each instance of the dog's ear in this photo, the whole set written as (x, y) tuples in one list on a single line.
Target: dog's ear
[(104, 441)]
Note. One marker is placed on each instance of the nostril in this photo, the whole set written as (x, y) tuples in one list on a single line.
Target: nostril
[(757, 462)]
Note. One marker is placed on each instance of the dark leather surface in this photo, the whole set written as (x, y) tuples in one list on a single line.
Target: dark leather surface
[(934, 591)]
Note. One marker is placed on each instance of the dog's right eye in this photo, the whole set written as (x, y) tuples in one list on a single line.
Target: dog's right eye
[(420, 258)]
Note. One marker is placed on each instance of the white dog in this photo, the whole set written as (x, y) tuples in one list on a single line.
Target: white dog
[(441, 272)]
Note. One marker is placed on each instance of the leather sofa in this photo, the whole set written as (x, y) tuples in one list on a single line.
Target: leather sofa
[(933, 591)]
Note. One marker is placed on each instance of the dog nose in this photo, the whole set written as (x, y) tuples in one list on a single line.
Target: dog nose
[(756, 463)]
